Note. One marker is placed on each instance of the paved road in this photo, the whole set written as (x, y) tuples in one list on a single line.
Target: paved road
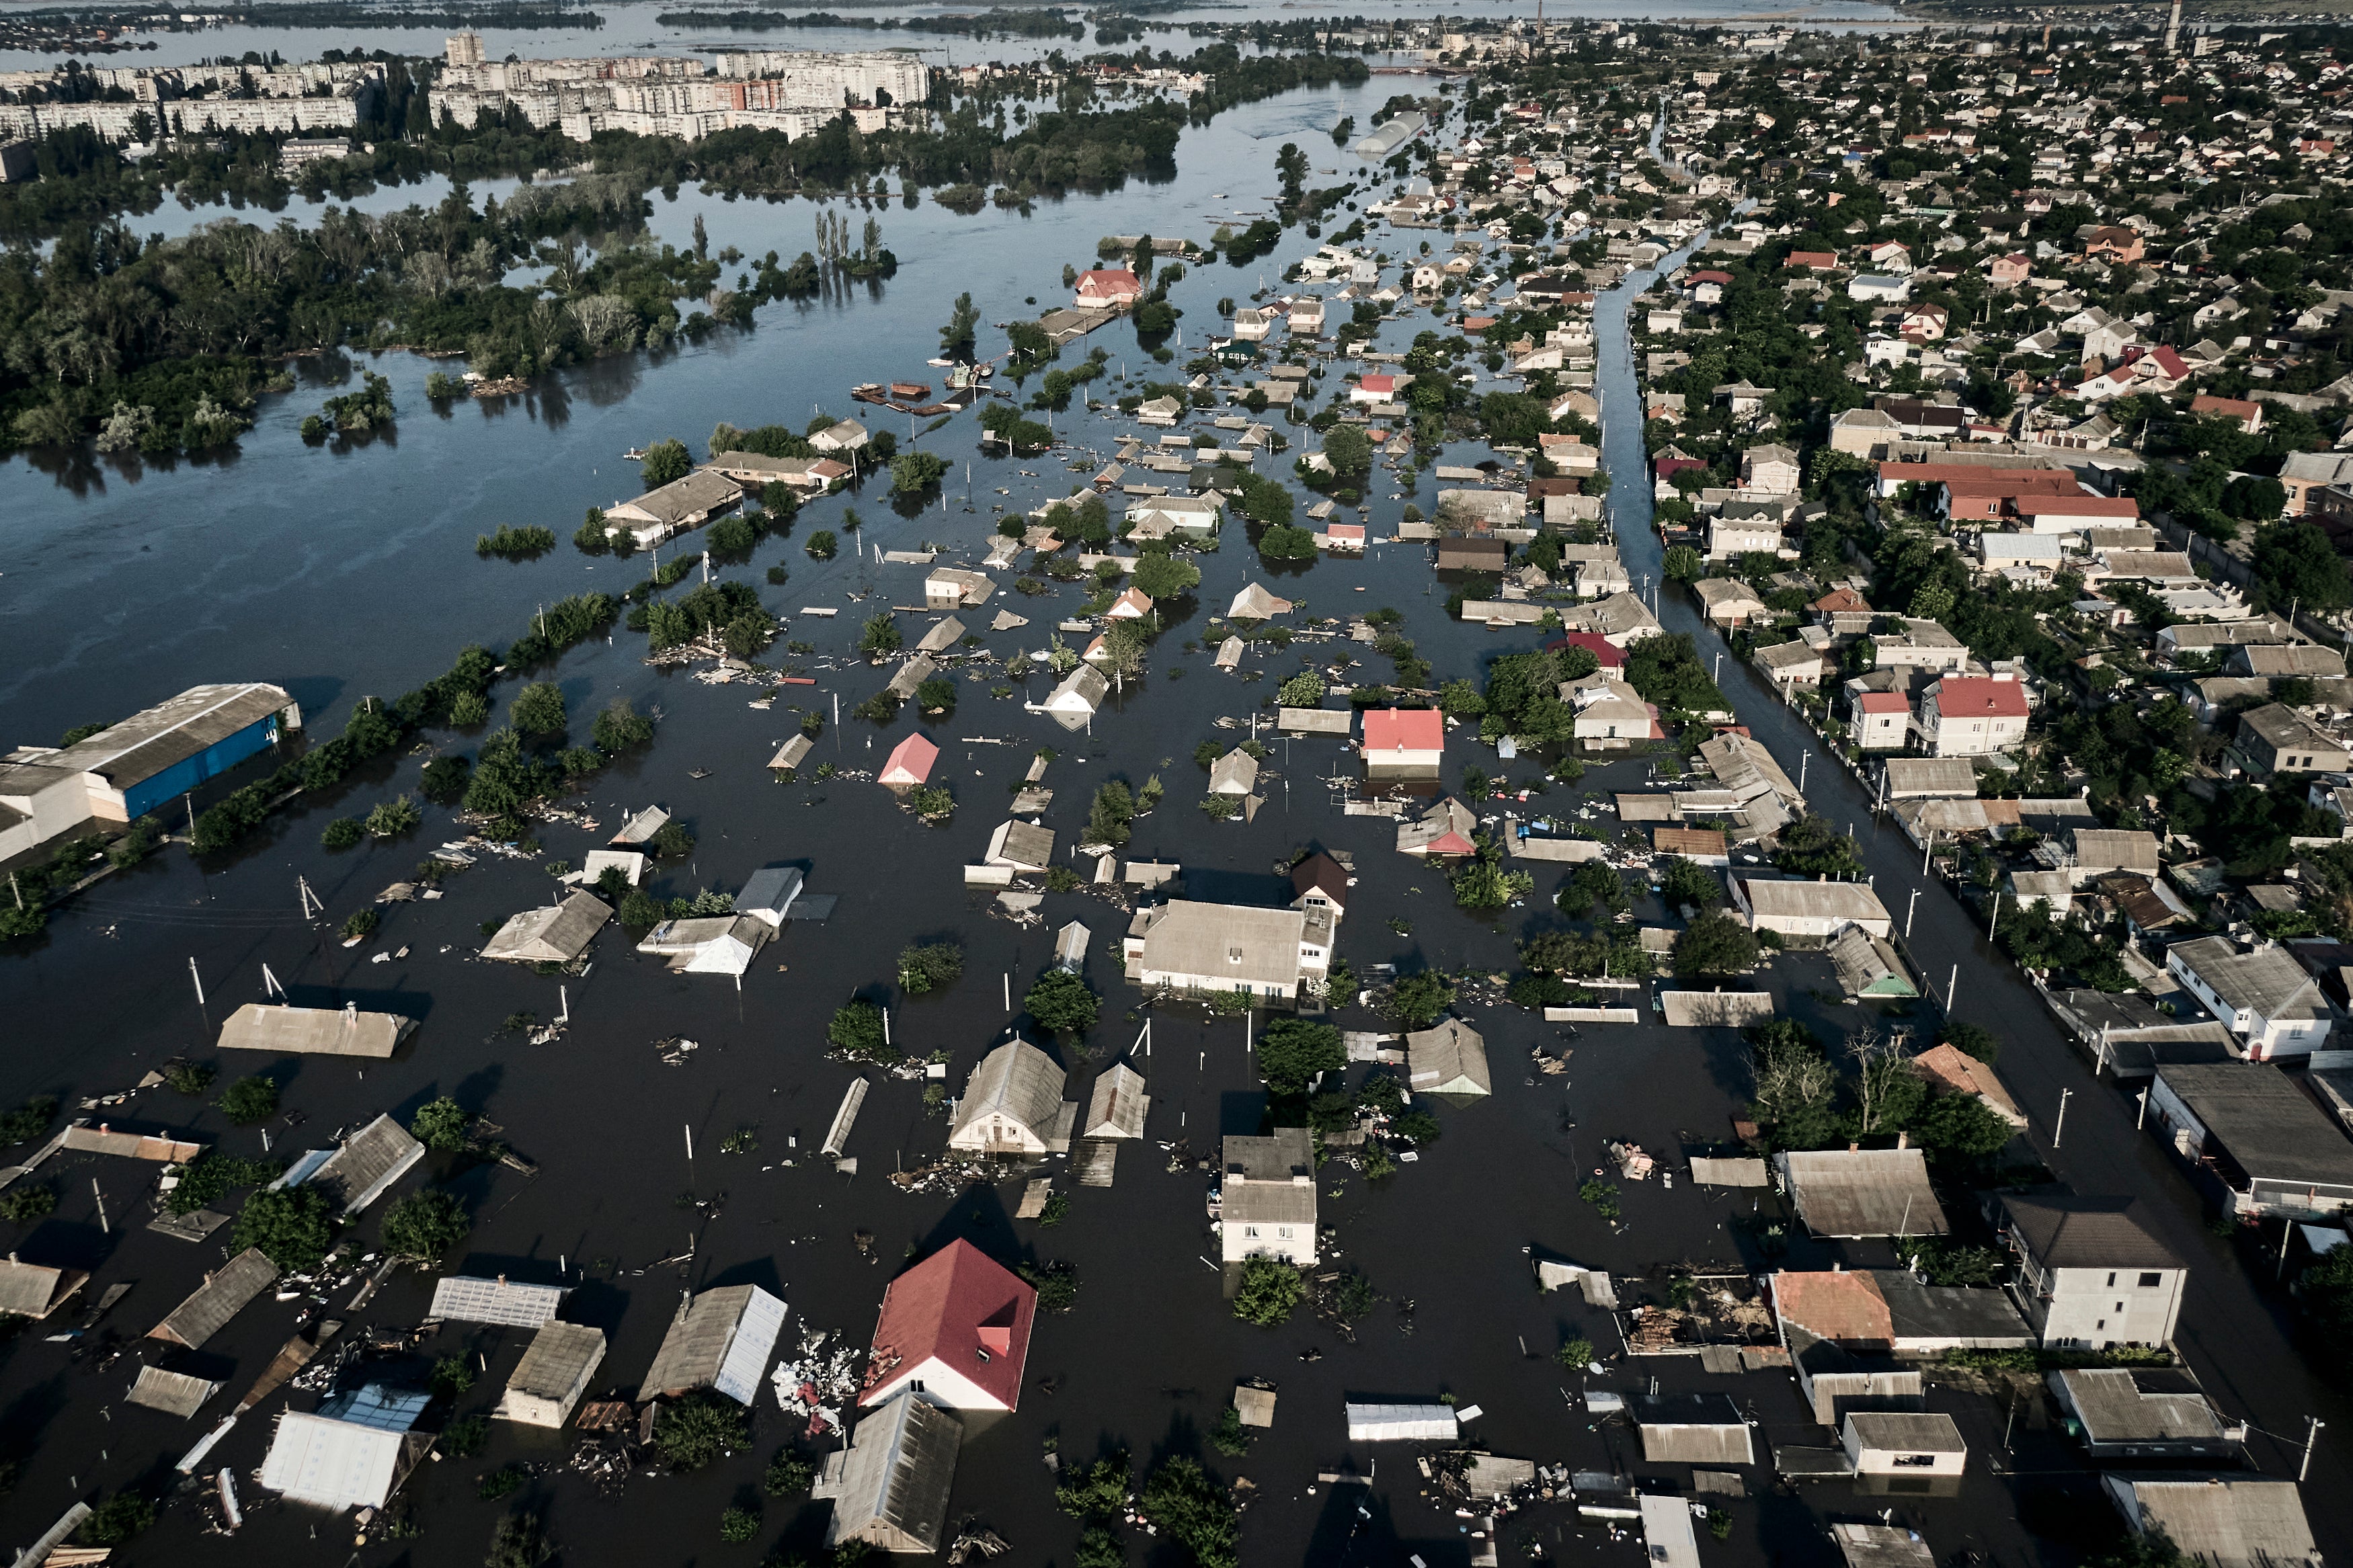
[(2236, 1337)]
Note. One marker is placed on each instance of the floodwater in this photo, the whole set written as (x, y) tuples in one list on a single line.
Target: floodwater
[(345, 572), (634, 27)]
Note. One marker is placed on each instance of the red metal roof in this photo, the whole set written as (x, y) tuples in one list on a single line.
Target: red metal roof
[(962, 1309), (1404, 730), (1979, 697), (1610, 655), (1883, 702)]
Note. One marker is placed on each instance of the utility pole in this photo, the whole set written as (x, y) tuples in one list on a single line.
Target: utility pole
[(2141, 1120), (2312, 1424), (199, 982), (1952, 989), (2060, 1126), (1909, 910)]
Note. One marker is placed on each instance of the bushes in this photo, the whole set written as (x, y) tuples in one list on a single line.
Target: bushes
[(1057, 1285), (538, 710), (440, 1124), (291, 1226), (29, 1120), (249, 1100), (928, 967), (1418, 999), (117, 1519), (1293, 1051), (1198, 1513), (1061, 1002), (787, 1474), (857, 1032), (1714, 946), (212, 1174), (621, 728)]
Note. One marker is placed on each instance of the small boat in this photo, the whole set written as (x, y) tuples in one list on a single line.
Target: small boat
[(699, 773), (910, 389), (635, 454)]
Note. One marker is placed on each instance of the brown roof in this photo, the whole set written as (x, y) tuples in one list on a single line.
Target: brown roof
[(1955, 1071), (1687, 841), (1844, 1306)]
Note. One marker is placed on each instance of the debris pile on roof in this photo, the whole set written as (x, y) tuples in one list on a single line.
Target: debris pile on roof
[(818, 1384)]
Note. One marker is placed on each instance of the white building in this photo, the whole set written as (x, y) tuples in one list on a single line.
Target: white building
[(552, 1375), (2089, 1273), (1810, 909), (1271, 954), (353, 1452), (1266, 1206), (2264, 997), (1013, 1105)]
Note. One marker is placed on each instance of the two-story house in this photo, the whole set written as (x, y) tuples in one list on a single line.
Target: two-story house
[(2090, 1274), (1970, 716)]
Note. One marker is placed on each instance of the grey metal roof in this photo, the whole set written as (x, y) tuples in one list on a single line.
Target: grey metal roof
[(1862, 1192), (1116, 1107), (370, 1161), (1772, 899), (2129, 1405), (220, 1298), (169, 733), (1236, 944), (2267, 1124), (467, 1299), (890, 1489), (33, 1289), (172, 1393), (2066, 1231), (556, 934), (1917, 1312), (315, 1031)]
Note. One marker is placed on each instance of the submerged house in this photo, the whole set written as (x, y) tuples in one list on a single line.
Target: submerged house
[(890, 1488), (552, 1375), (224, 1294), (559, 933), (353, 1452), (357, 1173), (718, 1339), (708, 944), (1448, 1059), (315, 1031), (1117, 1107), (955, 1332), (1013, 1105)]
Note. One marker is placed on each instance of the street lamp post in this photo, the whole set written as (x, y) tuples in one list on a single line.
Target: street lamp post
[(2061, 1127)]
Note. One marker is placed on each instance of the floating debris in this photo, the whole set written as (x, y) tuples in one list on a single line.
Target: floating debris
[(676, 1049)]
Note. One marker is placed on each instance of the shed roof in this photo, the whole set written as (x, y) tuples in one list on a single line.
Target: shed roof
[(172, 1393), (317, 1031), (890, 1487), (703, 1339), (2220, 1521), (556, 934), (1693, 1428), (1448, 1059), (1842, 1305), (558, 1357), (469, 1299), (2137, 1404), (1116, 1107), (35, 1289), (221, 1296), (1931, 778)]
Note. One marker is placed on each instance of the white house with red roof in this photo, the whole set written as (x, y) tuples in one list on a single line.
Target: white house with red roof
[(2141, 370), (1108, 286), (1971, 715), (1404, 743), (955, 1332), (1376, 389), (909, 765), (2066, 513), (1883, 720)]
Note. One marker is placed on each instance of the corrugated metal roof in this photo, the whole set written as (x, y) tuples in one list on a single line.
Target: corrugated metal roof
[(468, 1299), (1015, 1082), (558, 1358), (2223, 1521), (704, 1341), (1693, 1428), (556, 934), (172, 1393), (1862, 1192), (1116, 1107), (892, 1484), (370, 1161), (1235, 944), (2115, 1405), (33, 1289), (1450, 1058), (220, 1298), (1401, 1423), (170, 732)]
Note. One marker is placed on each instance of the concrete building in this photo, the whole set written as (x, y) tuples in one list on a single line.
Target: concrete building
[(954, 1332), (2278, 739), (552, 1375), (2089, 1274), (2144, 1413), (1971, 716), (145, 764), (1266, 1206), (1917, 1444), (1013, 1105), (2271, 1005)]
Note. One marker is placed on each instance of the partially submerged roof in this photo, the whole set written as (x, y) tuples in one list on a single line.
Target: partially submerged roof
[(718, 1339), (1882, 1546), (317, 1031), (1370, 1422), (556, 934), (1448, 1059), (353, 1453), (1862, 1192), (559, 1357), (1693, 1428), (35, 1289), (2218, 1522), (1116, 1107), (172, 1393), (2137, 1404), (960, 1312), (354, 1176), (221, 1296), (469, 1299), (1015, 1082), (890, 1488)]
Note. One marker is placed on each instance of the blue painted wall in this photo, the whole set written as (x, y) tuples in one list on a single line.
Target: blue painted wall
[(187, 773)]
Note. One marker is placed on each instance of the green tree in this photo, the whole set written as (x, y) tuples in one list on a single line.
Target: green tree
[(1270, 1291), (1593, 882), (1109, 817), (621, 728), (857, 1031), (1419, 998), (440, 1124), (964, 321), (1349, 451), (929, 967), (1165, 576), (701, 1428), (538, 710), (1195, 1511), (424, 1226), (117, 1519), (1687, 882), (1305, 689), (738, 1524), (1681, 563), (1714, 946), (249, 1100), (289, 1225), (1061, 1002), (2296, 563), (1973, 1039), (1959, 1127), (879, 636), (1285, 543), (914, 472), (788, 1474), (1094, 1491), (1294, 1050), (520, 1540), (665, 462)]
